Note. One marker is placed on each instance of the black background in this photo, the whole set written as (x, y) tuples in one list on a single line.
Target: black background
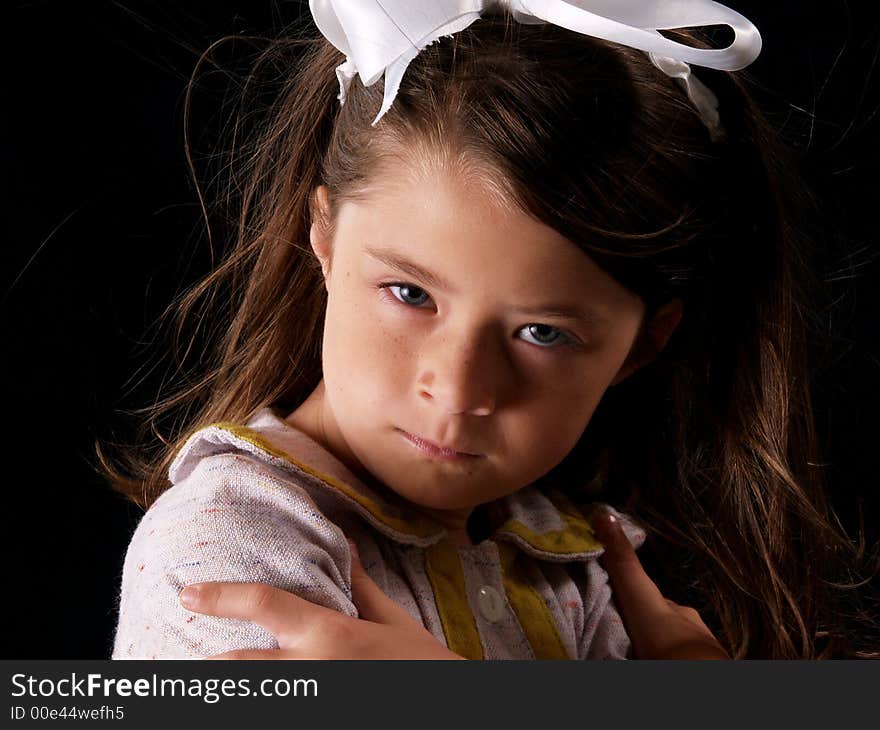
[(104, 226)]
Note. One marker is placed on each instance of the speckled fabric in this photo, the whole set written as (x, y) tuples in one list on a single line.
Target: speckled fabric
[(264, 503)]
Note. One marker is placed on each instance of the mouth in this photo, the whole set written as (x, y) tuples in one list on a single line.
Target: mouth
[(436, 451)]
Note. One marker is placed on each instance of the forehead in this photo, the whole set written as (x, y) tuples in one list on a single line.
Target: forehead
[(457, 219)]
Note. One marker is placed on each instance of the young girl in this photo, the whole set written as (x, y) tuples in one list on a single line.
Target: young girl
[(529, 273)]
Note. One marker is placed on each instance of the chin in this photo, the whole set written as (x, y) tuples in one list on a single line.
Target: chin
[(432, 497)]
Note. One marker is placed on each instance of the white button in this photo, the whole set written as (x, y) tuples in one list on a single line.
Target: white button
[(491, 603)]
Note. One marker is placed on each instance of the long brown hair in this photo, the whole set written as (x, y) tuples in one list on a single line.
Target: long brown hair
[(712, 446)]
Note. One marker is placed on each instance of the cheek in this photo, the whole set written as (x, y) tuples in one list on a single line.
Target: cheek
[(553, 419), (565, 414), (365, 356)]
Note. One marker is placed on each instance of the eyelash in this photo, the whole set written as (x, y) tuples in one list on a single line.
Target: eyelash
[(565, 339)]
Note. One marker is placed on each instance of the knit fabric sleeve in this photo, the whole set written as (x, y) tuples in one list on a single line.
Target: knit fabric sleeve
[(231, 519), (604, 636)]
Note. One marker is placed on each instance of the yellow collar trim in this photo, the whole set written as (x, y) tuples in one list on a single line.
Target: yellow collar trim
[(416, 526), (573, 542), (576, 539)]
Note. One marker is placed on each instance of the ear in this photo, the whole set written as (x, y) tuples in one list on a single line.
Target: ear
[(320, 229), (652, 338)]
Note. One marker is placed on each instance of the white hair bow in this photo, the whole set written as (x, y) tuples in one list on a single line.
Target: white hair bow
[(383, 36)]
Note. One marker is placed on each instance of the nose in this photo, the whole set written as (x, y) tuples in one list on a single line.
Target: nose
[(462, 375)]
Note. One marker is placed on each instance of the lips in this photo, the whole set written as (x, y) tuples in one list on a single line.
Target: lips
[(437, 451)]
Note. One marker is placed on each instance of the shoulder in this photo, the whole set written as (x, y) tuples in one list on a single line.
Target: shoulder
[(240, 500), (233, 478), (232, 487), (229, 516)]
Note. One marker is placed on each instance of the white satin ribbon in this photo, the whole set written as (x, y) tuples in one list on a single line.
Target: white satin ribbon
[(383, 36)]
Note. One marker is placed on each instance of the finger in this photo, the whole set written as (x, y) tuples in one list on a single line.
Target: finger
[(635, 593), (267, 606), (688, 612), (371, 601)]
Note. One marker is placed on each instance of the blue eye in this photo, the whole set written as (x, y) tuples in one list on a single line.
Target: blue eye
[(408, 294), (543, 335)]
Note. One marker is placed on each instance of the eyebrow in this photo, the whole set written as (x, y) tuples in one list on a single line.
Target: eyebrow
[(564, 311), (405, 266), (551, 311)]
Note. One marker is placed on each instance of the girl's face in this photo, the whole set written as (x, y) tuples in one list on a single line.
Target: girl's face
[(466, 346)]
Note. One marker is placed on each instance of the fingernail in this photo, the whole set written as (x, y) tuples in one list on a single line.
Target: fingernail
[(604, 523), (189, 596), (602, 515)]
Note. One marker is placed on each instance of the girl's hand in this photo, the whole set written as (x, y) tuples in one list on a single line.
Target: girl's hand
[(657, 627), (305, 630)]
